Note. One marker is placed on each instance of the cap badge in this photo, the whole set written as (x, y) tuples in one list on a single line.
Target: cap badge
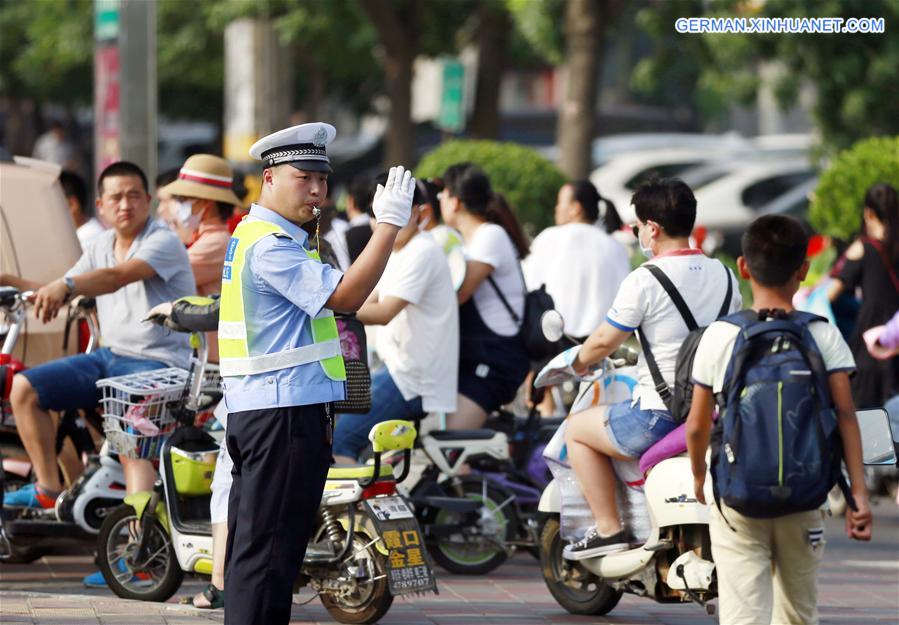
[(320, 138)]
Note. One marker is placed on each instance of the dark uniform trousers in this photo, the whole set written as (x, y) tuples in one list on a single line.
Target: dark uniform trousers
[(281, 459)]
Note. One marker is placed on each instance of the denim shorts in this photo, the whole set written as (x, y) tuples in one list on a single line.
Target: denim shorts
[(71, 383), (351, 431), (633, 430)]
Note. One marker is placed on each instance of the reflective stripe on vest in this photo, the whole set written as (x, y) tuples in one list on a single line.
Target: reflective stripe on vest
[(234, 352)]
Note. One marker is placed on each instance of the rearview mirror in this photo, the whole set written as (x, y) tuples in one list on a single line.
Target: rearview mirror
[(553, 325), (878, 447)]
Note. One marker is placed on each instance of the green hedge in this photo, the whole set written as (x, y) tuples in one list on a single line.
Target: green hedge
[(836, 207), (528, 181)]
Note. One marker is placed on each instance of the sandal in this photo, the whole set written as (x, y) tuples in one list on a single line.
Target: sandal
[(213, 595)]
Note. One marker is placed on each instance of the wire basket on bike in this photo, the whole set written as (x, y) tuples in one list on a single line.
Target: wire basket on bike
[(139, 410), (212, 379)]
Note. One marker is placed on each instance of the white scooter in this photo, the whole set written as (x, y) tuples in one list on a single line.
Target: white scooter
[(674, 563)]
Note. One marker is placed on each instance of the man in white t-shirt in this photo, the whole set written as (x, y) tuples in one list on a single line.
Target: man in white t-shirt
[(666, 211), (419, 343)]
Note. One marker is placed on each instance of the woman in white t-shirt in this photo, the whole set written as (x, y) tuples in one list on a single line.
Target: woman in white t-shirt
[(492, 360), (666, 211), (581, 265)]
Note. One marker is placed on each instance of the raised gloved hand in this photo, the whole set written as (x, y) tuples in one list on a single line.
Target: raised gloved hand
[(393, 201)]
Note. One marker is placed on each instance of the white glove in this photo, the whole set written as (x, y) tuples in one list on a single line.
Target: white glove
[(393, 201)]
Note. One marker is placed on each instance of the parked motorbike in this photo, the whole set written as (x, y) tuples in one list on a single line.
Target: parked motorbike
[(468, 520), (477, 497)]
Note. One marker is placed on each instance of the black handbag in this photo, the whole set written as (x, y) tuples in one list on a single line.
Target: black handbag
[(354, 348), (530, 329)]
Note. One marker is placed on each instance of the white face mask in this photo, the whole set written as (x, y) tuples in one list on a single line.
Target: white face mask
[(424, 222), (184, 215), (647, 251)]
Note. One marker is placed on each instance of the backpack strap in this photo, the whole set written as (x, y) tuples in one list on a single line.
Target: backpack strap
[(518, 321), (675, 296), (725, 306), (661, 386)]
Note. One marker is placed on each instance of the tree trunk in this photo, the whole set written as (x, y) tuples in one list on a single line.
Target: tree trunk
[(577, 114), (398, 27), (493, 44)]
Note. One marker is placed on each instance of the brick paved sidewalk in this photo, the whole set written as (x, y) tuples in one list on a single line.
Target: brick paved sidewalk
[(43, 608), (859, 585)]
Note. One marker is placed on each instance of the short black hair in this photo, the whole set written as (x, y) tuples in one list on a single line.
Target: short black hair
[(669, 202), (74, 186), (362, 190), (428, 189), (774, 247), (167, 177), (122, 168)]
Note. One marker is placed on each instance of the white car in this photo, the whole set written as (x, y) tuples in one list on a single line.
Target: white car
[(730, 202), (619, 177)]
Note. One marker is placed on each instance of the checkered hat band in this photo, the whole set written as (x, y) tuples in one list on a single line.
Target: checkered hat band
[(290, 153), (290, 157)]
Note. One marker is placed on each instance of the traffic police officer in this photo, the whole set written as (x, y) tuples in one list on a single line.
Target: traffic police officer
[(281, 363)]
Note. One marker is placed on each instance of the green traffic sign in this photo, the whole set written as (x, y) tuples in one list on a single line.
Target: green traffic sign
[(452, 103), (106, 22)]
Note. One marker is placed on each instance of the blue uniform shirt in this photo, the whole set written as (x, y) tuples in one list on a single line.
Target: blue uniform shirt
[(282, 289)]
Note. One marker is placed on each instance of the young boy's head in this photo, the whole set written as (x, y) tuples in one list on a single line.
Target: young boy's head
[(774, 250)]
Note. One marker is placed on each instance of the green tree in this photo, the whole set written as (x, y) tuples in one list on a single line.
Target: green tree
[(528, 181), (836, 206), (46, 50), (854, 75)]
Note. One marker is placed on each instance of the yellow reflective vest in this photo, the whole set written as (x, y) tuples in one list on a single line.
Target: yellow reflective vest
[(235, 357)]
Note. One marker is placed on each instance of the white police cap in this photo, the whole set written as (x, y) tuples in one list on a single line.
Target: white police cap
[(301, 146)]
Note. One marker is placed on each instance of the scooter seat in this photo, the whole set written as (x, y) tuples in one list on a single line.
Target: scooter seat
[(462, 435), (358, 472), (674, 444)]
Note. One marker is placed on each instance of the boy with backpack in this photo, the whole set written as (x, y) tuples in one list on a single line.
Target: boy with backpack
[(787, 420)]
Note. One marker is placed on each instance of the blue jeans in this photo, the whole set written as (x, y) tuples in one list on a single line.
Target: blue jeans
[(351, 431), (633, 430), (71, 383)]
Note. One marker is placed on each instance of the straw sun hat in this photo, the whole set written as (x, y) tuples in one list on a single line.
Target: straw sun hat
[(206, 177)]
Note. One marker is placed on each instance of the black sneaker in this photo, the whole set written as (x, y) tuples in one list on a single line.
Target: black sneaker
[(593, 545)]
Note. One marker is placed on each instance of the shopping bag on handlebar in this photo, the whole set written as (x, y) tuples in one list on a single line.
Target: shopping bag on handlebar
[(354, 348)]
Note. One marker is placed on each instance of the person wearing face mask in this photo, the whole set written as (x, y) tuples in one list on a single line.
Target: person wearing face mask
[(666, 212), (419, 343), (204, 200)]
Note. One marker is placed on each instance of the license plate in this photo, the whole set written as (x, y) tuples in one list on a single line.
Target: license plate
[(389, 508)]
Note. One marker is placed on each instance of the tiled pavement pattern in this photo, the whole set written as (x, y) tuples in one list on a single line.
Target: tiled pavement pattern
[(859, 586)]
